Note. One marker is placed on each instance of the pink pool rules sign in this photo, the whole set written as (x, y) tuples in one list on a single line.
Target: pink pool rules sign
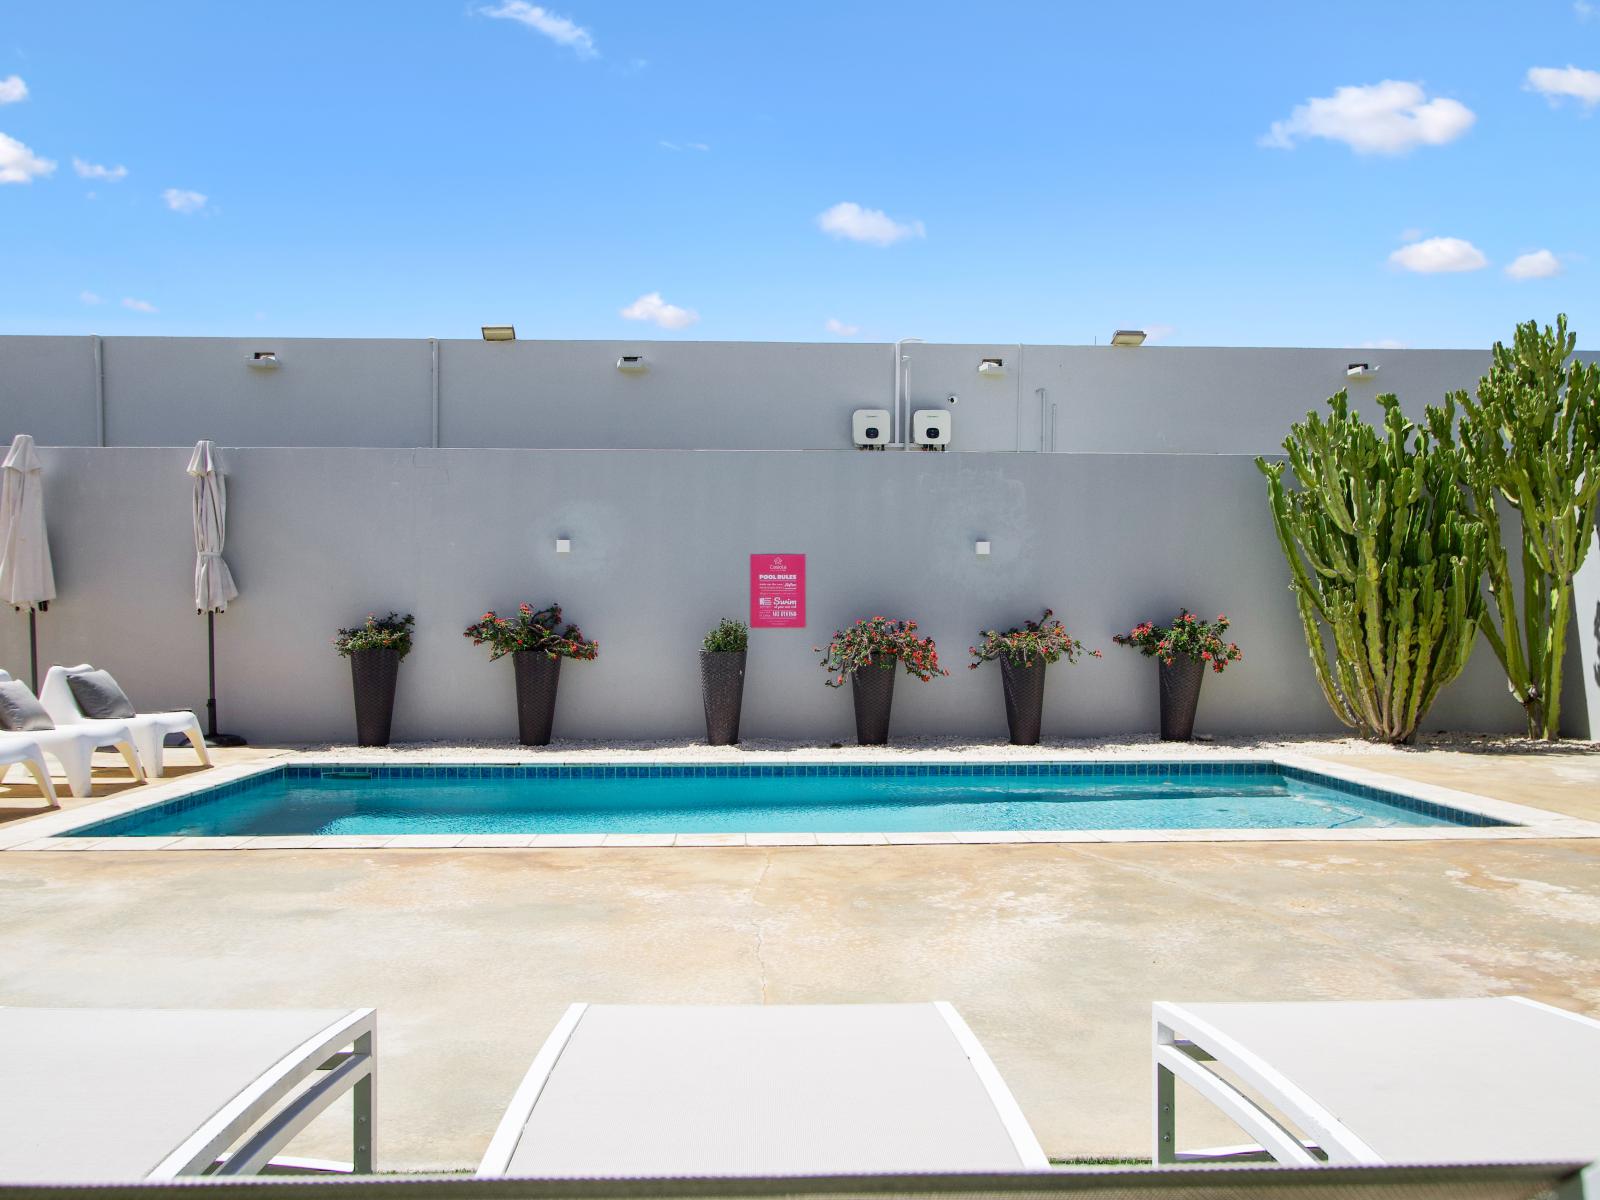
[(777, 591)]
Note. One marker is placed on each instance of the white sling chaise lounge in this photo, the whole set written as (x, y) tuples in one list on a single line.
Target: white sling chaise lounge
[(20, 749), (149, 729), (73, 746), (761, 1090), (122, 1094), (1494, 1080)]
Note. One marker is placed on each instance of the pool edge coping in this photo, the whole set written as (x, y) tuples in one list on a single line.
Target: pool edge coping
[(49, 832)]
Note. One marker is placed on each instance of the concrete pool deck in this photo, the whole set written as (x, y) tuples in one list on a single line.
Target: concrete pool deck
[(1053, 953)]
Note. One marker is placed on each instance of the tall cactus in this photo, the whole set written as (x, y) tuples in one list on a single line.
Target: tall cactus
[(1532, 438), (1385, 552)]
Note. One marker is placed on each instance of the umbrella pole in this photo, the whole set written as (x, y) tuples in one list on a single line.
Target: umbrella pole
[(33, 651), (213, 738)]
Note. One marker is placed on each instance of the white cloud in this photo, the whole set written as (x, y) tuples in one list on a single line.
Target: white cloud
[(12, 89), (139, 306), (90, 298), (834, 325), (1537, 264), (89, 170), (850, 220), (1382, 344), (1565, 83), (1439, 254), (1158, 333), (1583, 10), (181, 201), (1412, 235), (651, 307), (18, 164), (561, 30), (1391, 117)]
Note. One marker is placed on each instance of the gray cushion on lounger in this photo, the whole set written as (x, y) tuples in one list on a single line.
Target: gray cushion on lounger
[(99, 696), (20, 710)]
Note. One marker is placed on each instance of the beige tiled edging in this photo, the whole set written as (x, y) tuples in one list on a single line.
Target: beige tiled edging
[(46, 833)]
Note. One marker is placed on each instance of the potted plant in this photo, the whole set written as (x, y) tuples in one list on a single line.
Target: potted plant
[(866, 653), (537, 643), (1186, 648), (1023, 655), (375, 649), (722, 680)]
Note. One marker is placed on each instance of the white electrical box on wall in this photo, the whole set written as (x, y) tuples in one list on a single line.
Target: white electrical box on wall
[(931, 427), (869, 427)]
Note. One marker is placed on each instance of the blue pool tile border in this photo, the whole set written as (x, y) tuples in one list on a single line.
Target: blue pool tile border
[(1167, 768)]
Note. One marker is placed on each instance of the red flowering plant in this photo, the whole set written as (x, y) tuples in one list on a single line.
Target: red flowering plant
[(1186, 635), (879, 642), (377, 633), (1045, 640), (531, 630)]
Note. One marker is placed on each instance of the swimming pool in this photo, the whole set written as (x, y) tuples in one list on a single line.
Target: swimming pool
[(327, 799)]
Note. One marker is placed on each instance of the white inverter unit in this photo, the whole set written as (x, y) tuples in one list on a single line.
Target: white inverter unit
[(930, 428), (869, 427)]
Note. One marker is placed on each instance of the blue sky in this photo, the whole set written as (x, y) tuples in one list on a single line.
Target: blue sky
[(1229, 174)]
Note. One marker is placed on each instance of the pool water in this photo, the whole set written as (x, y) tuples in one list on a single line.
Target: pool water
[(316, 800)]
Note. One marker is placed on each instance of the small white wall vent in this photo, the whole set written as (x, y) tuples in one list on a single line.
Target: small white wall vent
[(992, 368), (1360, 371), (263, 360), (563, 545), (869, 428), (632, 364), (930, 428), (984, 548)]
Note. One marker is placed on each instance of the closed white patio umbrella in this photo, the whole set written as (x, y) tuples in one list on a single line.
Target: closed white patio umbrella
[(26, 578), (213, 582)]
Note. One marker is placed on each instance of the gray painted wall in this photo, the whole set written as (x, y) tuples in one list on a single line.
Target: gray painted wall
[(319, 537), (708, 395)]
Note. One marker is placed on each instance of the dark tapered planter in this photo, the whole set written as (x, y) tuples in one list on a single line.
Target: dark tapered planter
[(373, 674), (722, 693), (1024, 689), (1180, 696), (537, 677), (873, 689)]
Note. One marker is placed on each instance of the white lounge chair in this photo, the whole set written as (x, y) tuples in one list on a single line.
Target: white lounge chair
[(1400, 1081), (20, 749), (123, 1094), (761, 1090), (149, 729), (73, 746)]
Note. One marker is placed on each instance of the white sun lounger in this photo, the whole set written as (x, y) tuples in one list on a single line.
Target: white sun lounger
[(761, 1090), (149, 729), (121, 1094), (1401, 1081), (73, 746), (18, 749)]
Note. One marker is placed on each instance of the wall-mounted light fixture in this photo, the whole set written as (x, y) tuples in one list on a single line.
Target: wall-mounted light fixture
[(499, 333), (992, 368), (1128, 337), (263, 360), (1360, 371), (983, 548), (563, 545), (632, 364)]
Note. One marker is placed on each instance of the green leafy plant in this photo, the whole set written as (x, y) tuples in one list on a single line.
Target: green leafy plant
[(392, 632), (1186, 635), (880, 642), (1045, 640), (531, 629), (1384, 553), (729, 636), (1532, 441)]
